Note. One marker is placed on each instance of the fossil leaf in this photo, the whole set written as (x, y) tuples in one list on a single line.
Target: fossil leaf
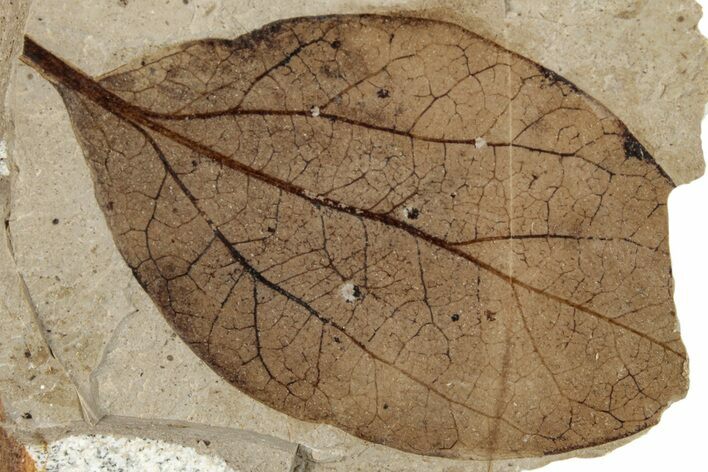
[(393, 226)]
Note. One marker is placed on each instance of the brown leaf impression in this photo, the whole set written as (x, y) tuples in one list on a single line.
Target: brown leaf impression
[(394, 226)]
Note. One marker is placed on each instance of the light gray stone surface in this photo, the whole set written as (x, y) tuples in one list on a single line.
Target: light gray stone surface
[(99, 453), (34, 383), (101, 354), (241, 450)]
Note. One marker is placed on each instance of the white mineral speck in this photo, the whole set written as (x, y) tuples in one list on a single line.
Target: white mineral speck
[(89, 453), (4, 169), (479, 143), (315, 111), (347, 292)]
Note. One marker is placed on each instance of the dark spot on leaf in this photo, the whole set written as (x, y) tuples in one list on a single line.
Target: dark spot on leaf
[(634, 148), (552, 78), (412, 213)]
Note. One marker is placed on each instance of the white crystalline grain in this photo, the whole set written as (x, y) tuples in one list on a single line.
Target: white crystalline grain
[(88, 453), (4, 169), (347, 292)]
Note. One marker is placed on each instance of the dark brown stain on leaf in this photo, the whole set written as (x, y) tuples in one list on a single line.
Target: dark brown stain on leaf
[(393, 226)]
